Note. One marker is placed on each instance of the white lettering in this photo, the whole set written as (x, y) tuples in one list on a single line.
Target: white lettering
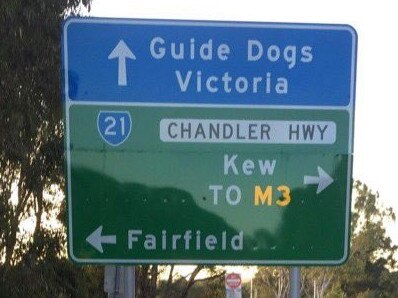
[(237, 241), (266, 167), (159, 51), (289, 53), (229, 163), (206, 50), (187, 238), (223, 52), (215, 189), (211, 87), (248, 167), (175, 239), (183, 83), (250, 51), (150, 242), (306, 54), (238, 195), (211, 242), (132, 237)]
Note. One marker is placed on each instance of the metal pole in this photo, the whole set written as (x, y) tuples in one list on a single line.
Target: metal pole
[(129, 282), (118, 277), (251, 287), (314, 288), (295, 282), (119, 281)]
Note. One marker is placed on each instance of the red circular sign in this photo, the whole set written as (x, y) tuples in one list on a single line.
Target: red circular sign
[(233, 280)]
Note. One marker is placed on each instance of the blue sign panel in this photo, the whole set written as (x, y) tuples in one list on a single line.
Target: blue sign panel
[(221, 63)]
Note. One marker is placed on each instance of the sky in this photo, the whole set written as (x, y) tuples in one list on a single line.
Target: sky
[(375, 147)]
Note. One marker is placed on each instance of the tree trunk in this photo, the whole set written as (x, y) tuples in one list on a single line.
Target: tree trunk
[(37, 246), (153, 281), (169, 282), (16, 216), (191, 281), (142, 281)]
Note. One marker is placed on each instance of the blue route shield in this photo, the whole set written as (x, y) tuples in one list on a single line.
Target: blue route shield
[(114, 126)]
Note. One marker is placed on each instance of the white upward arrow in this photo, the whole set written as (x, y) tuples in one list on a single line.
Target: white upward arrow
[(96, 239), (323, 180), (122, 52)]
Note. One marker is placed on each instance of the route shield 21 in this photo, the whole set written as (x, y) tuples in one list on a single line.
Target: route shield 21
[(114, 126)]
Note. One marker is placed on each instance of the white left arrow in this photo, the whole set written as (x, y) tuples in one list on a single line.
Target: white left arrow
[(122, 52), (323, 180), (96, 239)]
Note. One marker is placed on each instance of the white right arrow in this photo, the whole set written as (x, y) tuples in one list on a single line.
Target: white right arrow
[(122, 52), (323, 180), (96, 239)]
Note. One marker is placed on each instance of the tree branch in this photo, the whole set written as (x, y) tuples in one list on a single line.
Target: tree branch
[(191, 281)]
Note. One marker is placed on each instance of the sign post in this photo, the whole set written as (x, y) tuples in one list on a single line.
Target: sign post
[(295, 282), (208, 142)]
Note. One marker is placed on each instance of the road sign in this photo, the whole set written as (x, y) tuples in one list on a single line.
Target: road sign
[(233, 285), (208, 142), (233, 280)]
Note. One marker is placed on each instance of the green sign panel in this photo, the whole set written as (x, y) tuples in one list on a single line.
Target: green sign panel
[(191, 181)]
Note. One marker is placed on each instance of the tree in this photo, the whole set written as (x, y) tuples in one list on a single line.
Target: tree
[(149, 285), (209, 287), (52, 278), (147, 279), (372, 251), (272, 282), (31, 150), (317, 280)]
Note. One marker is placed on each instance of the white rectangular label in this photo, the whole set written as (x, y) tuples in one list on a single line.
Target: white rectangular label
[(247, 131)]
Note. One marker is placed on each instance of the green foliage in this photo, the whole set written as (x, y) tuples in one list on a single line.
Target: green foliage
[(31, 150), (58, 278), (30, 112), (209, 288), (272, 282), (31, 130), (372, 252), (246, 289), (191, 286)]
